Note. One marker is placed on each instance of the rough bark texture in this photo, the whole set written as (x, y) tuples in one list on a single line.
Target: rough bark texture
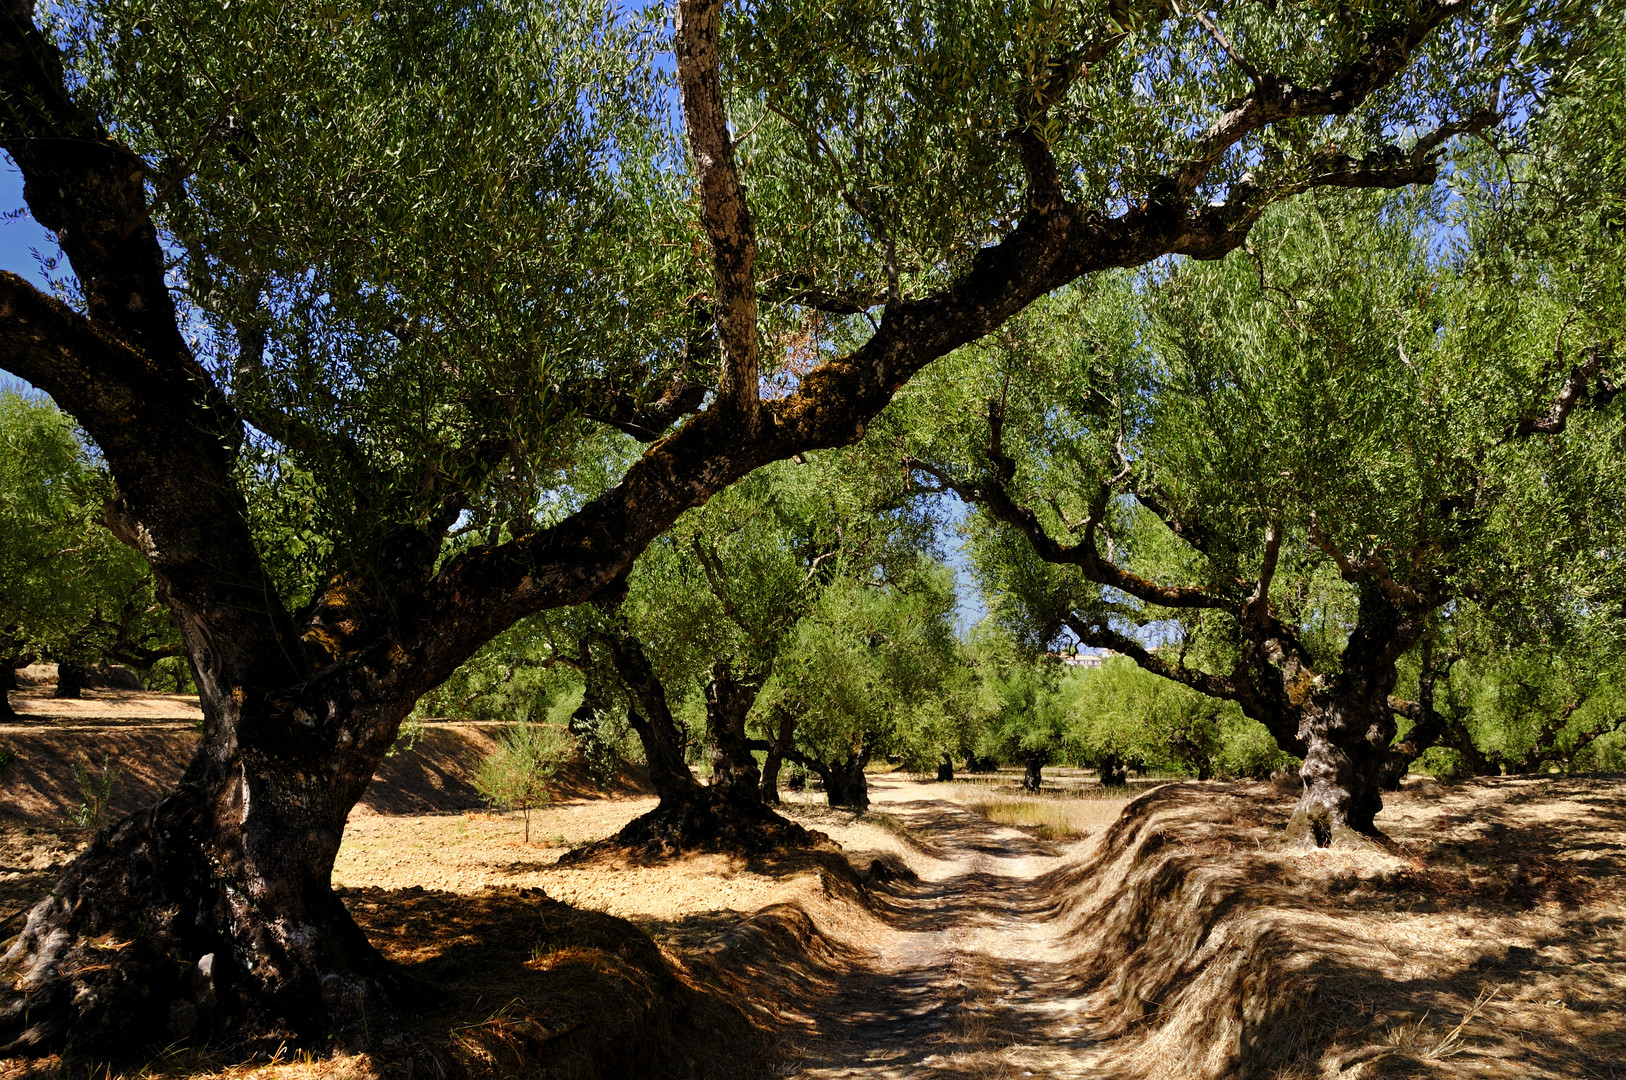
[(774, 758), (172, 919), (8, 683), (216, 902), (1114, 772), (734, 773), (727, 815), (844, 781)]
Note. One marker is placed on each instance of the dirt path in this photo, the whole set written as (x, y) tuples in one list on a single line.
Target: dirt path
[(974, 980)]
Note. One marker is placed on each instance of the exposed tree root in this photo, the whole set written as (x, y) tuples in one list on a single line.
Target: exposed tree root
[(706, 823), (144, 940)]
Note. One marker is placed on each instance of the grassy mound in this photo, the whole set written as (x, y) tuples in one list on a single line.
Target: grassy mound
[(1488, 941)]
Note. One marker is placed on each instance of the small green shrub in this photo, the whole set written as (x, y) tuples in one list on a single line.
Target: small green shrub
[(95, 789), (515, 776), (408, 736), (7, 756)]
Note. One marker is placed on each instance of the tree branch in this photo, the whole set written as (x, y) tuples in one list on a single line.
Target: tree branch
[(1383, 55), (992, 495), (1369, 568), (170, 444), (649, 420), (1586, 382), (724, 213)]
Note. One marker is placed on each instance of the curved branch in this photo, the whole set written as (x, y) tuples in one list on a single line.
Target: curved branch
[(992, 495), (1585, 383), (724, 213), (170, 446), (1383, 55)]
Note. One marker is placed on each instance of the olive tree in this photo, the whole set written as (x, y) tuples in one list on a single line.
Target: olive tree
[(1265, 476), (69, 591), (439, 285)]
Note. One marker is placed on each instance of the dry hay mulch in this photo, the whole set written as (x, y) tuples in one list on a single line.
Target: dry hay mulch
[(1489, 939), (517, 985)]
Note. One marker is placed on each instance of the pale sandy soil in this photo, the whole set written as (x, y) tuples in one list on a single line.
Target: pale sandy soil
[(1488, 940), (102, 709), (478, 850)]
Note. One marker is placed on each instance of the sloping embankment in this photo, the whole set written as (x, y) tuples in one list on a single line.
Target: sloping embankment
[(1489, 942), (40, 786)]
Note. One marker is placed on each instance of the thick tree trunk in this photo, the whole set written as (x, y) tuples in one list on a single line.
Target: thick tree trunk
[(945, 770), (729, 814), (1346, 726), (784, 732), (1113, 772), (8, 683), (71, 677), (844, 781), (1345, 768), (1032, 774), (734, 774), (213, 907), (665, 744)]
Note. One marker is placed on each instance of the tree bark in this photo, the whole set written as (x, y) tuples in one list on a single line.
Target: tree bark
[(665, 744), (784, 732), (1032, 774), (844, 781), (945, 770), (8, 683), (728, 814), (214, 906), (734, 773), (1113, 772), (71, 677), (1347, 729)]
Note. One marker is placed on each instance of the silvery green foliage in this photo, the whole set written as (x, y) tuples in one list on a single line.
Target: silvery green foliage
[(402, 237)]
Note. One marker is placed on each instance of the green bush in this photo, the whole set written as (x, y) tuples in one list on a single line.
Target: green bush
[(95, 789), (515, 776)]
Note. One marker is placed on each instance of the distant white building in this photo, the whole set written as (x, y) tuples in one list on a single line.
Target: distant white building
[(1087, 661)]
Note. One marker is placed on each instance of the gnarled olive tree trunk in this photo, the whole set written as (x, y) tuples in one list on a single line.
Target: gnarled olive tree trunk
[(774, 752), (213, 907), (1113, 771), (1346, 726), (8, 683), (735, 778), (845, 783), (1033, 771), (71, 677), (729, 812)]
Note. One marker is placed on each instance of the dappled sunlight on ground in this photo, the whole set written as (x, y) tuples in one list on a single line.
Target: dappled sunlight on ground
[(1164, 937)]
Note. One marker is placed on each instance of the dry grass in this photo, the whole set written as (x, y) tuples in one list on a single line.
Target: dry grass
[(1487, 941), (1052, 818), (1073, 807)]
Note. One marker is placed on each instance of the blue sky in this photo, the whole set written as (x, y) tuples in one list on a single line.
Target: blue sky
[(18, 235)]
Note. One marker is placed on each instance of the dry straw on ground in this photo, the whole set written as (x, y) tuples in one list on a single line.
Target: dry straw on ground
[(1487, 941), (1173, 941)]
